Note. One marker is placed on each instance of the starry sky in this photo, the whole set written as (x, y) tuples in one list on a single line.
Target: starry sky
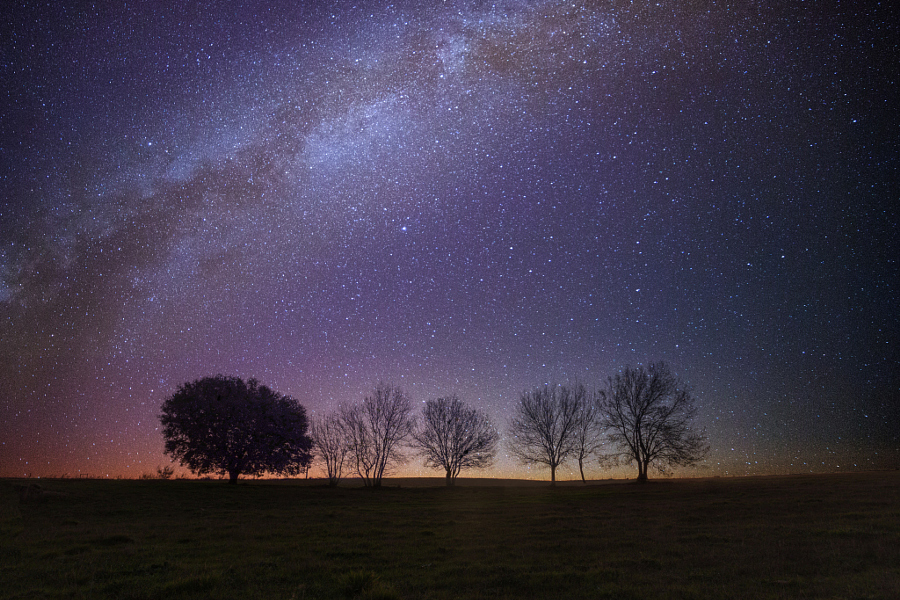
[(459, 197)]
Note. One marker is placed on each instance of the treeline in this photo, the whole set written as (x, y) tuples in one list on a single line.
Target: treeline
[(226, 426)]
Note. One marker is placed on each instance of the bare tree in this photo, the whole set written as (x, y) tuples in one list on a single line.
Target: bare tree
[(543, 427), (360, 441), (455, 436), (331, 445), (648, 415), (376, 431), (588, 440)]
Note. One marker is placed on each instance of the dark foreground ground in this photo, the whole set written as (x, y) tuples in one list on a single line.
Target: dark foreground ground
[(813, 536)]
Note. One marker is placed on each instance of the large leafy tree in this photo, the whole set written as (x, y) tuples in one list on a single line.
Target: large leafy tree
[(455, 436), (227, 426), (648, 415)]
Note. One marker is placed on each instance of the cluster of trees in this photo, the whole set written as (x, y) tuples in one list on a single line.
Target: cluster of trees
[(226, 426), (642, 415), (375, 435)]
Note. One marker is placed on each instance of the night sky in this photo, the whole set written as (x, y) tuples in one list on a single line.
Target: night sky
[(472, 198)]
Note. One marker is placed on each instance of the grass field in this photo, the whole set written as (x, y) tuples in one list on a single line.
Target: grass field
[(813, 536)]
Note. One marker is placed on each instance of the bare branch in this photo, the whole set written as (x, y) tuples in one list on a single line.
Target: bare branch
[(648, 417), (455, 436), (376, 431), (543, 427), (588, 440), (331, 442)]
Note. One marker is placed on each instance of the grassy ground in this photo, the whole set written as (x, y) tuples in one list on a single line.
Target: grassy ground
[(816, 536)]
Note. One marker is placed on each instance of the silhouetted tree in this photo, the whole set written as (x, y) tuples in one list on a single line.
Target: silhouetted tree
[(376, 431), (648, 416), (331, 444), (230, 427), (588, 438), (455, 436), (544, 425)]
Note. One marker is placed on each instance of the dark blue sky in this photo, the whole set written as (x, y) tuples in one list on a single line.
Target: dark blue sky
[(471, 198)]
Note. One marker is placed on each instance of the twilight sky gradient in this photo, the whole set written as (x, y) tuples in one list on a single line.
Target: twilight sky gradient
[(471, 198)]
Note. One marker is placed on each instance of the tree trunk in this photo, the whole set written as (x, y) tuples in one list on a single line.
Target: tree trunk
[(450, 480), (552, 475), (581, 468), (642, 471), (232, 477)]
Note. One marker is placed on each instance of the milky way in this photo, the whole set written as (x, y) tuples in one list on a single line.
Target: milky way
[(471, 198)]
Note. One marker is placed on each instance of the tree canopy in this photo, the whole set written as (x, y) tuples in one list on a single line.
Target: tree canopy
[(588, 440), (647, 414), (227, 426), (543, 429), (332, 446), (455, 436), (377, 430)]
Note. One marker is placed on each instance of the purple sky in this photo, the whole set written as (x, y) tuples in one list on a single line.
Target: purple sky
[(473, 198)]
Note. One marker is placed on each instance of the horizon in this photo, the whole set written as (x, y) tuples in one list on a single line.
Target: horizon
[(399, 481)]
